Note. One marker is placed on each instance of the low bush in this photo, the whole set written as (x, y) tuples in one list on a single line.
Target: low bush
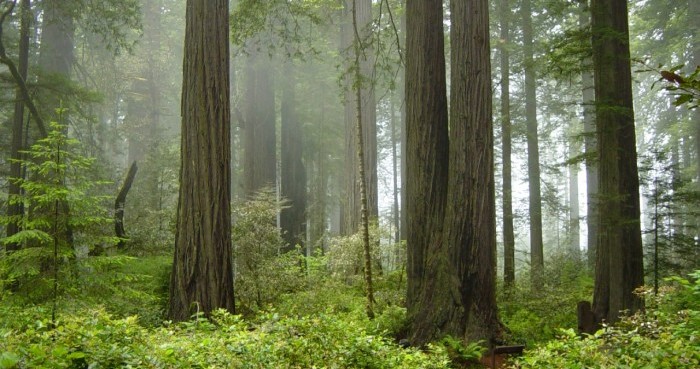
[(95, 339), (660, 337)]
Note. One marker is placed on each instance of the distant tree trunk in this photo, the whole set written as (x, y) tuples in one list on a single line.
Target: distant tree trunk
[(120, 202), (574, 229), (293, 173), (693, 12), (619, 259), (470, 222), (56, 60), (533, 153), (590, 142), (16, 210), (259, 133), (351, 212), (508, 232), (202, 278), (426, 161), (56, 57), (394, 172)]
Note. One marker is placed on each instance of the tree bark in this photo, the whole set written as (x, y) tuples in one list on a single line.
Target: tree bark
[(426, 161), (202, 278), (619, 259), (508, 231), (471, 213), (533, 153), (120, 202)]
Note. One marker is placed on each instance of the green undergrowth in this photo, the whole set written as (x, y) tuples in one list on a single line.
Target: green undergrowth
[(666, 335), (95, 339)]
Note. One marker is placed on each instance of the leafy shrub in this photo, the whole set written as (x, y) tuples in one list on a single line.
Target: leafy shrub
[(95, 339), (262, 273), (534, 316), (661, 337)]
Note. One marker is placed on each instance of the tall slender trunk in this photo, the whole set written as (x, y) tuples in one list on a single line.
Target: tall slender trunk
[(394, 172), (508, 231), (533, 153), (574, 228), (16, 209), (351, 213)]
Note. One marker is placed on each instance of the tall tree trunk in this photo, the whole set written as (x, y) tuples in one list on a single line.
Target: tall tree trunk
[(619, 259), (533, 153), (293, 173), (427, 159), (351, 212), (202, 278), (470, 222), (590, 142), (508, 231), (259, 133), (16, 210)]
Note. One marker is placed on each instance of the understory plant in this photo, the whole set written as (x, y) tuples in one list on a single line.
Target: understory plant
[(663, 336)]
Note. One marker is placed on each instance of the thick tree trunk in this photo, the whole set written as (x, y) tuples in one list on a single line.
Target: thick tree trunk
[(426, 166), (120, 202), (16, 210), (202, 278), (470, 226), (619, 259), (427, 156), (293, 173), (259, 133), (533, 153), (508, 231)]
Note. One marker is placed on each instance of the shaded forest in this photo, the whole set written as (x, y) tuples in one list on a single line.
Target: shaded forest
[(349, 183)]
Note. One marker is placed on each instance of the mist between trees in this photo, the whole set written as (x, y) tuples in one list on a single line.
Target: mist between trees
[(436, 157)]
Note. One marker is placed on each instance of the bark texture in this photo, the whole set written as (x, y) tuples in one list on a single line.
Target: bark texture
[(470, 227), (427, 155), (202, 278), (619, 259)]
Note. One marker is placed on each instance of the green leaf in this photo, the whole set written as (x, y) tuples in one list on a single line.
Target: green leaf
[(8, 360)]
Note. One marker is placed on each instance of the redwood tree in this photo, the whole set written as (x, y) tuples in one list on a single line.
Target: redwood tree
[(202, 278), (619, 254)]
